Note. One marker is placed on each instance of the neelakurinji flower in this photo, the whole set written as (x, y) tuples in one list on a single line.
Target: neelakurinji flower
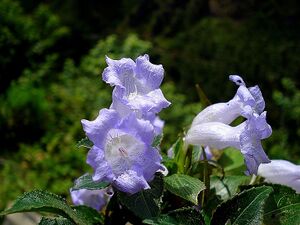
[(247, 137), (281, 172), (137, 86), (226, 112), (210, 127), (122, 153), (96, 199)]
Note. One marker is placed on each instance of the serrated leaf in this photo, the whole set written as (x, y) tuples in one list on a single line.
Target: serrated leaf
[(56, 221), (90, 215), (145, 204), (245, 208), (43, 201), (86, 182), (184, 186), (157, 140), (283, 207), (185, 216), (227, 186), (84, 142)]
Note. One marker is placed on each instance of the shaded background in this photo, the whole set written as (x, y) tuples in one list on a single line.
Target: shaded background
[(52, 56)]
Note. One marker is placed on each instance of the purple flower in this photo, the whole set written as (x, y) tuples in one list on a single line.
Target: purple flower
[(136, 86), (122, 153), (96, 199), (229, 111), (281, 172), (246, 137)]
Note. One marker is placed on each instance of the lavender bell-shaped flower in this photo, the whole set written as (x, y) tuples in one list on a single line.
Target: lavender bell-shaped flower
[(136, 86), (281, 172), (96, 199), (122, 153), (226, 112), (247, 137), (210, 127)]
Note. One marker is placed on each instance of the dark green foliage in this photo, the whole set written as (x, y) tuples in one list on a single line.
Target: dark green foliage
[(245, 208), (26, 41), (282, 207), (183, 216), (42, 201), (55, 221)]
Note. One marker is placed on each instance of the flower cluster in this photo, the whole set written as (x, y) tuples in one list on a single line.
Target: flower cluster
[(122, 135), (211, 127)]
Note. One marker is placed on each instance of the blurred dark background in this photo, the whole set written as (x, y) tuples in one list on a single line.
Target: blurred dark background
[(52, 56)]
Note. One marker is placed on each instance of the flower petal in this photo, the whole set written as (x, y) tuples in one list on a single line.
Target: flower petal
[(213, 134), (152, 163), (141, 129), (245, 96), (149, 74), (117, 71), (96, 199), (219, 112), (252, 150), (260, 102), (102, 170), (237, 80), (130, 182), (97, 129), (281, 172), (153, 102)]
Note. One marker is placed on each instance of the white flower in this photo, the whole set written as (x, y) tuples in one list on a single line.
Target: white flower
[(281, 172)]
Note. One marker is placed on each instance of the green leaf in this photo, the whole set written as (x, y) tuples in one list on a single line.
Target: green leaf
[(86, 182), (184, 186), (43, 201), (245, 208), (177, 148), (145, 204), (170, 164), (90, 215), (157, 140), (196, 154), (232, 161), (283, 207), (85, 142), (55, 221), (184, 216), (227, 186)]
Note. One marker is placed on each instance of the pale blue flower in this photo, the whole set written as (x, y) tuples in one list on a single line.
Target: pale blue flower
[(96, 199), (136, 86), (246, 137), (122, 153), (281, 172), (229, 111)]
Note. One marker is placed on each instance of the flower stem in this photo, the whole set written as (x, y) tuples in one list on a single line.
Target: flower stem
[(206, 179)]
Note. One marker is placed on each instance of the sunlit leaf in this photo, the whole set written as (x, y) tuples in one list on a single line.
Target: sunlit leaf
[(184, 186)]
